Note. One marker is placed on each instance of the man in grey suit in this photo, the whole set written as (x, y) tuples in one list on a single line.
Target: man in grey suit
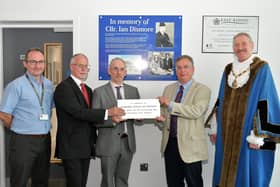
[(184, 144), (116, 141)]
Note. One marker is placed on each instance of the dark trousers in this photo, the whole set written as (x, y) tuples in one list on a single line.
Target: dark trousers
[(29, 157), (177, 170), (76, 171)]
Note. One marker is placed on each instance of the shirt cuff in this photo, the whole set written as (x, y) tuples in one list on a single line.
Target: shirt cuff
[(253, 139), (106, 115), (169, 107)]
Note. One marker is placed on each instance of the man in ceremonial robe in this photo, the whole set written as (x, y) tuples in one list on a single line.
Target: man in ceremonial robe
[(248, 120)]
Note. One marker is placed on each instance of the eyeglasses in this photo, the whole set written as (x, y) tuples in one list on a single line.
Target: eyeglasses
[(82, 66), (184, 67), (118, 69), (33, 62)]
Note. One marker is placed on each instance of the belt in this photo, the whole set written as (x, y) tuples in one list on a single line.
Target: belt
[(32, 135), (36, 135), (123, 135)]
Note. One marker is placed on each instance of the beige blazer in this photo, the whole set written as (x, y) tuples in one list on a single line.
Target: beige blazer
[(190, 123)]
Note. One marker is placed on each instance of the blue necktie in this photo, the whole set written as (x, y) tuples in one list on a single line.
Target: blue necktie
[(173, 119)]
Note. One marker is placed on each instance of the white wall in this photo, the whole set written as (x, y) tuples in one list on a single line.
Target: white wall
[(209, 67)]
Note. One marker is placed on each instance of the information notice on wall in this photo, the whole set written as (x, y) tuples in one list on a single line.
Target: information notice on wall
[(218, 32), (148, 44)]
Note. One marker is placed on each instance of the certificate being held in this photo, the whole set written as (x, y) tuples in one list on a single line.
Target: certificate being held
[(140, 108)]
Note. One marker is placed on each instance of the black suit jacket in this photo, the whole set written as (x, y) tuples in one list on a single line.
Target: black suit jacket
[(76, 134)]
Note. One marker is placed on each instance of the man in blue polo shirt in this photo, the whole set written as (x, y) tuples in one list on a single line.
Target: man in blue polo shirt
[(26, 111)]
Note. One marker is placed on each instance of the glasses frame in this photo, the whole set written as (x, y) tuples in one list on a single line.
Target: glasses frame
[(33, 62), (81, 66)]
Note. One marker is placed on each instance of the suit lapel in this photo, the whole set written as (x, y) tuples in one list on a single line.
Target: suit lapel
[(110, 93), (173, 91), (190, 92), (126, 92), (77, 91)]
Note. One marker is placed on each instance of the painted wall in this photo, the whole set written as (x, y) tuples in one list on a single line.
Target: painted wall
[(208, 70)]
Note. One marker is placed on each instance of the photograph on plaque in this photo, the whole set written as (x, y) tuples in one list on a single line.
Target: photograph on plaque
[(161, 63), (148, 44), (218, 32), (164, 34)]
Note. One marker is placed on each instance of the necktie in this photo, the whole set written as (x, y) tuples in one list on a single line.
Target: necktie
[(121, 124), (119, 96), (173, 119), (85, 94)]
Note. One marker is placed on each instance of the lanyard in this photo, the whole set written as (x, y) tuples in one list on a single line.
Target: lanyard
[(40, 99)]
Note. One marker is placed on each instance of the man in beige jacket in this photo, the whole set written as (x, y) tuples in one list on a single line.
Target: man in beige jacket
[(184, 144)]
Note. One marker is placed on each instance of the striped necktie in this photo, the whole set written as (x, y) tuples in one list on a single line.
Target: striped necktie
[(173, 119)]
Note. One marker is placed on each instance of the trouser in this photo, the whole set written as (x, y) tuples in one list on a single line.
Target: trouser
[(115, 168), (177, 170), (29, 157), (76, 171)]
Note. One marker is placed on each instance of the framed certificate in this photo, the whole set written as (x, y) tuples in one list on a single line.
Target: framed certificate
[(218, 32)]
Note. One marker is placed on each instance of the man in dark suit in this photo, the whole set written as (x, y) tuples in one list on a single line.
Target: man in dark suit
[(115, 142), (162, 38), (76, 133)]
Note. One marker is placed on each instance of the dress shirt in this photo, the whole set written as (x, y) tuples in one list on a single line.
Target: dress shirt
[(123, 97), (21, 102), (77, 81), (115, 90), (186, 88)]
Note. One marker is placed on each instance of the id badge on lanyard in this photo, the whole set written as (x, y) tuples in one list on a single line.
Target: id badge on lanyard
[(43, 116)]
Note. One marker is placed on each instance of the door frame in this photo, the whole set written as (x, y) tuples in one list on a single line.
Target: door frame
[(59, 26)]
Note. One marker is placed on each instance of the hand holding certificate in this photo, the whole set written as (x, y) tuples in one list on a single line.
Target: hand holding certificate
[(140, 108)]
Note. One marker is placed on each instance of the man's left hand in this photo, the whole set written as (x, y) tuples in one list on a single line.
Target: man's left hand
[(254, 146), (163, 101)]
